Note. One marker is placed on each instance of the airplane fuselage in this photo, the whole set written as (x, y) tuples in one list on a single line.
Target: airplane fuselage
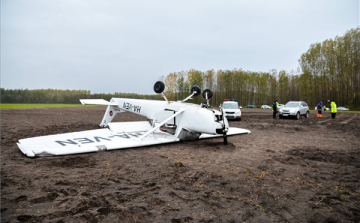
[(193, 118)]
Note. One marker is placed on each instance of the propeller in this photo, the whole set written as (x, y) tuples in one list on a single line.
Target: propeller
[(225, 127)]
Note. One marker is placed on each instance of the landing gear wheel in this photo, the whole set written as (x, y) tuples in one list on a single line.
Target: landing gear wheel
[(197, 89), (159, 87), (208, 92)]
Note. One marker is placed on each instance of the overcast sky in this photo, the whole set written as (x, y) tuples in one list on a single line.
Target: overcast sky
[(108, 46)]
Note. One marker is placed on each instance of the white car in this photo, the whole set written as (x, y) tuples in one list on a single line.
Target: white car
[(294, 109), (265, 107), (342, 109), (231, 110), (280, 106)]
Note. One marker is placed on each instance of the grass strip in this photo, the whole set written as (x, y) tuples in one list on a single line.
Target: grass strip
[(17, 106)]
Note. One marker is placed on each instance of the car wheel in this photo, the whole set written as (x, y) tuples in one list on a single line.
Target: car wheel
[(307, 114), (298, 116)]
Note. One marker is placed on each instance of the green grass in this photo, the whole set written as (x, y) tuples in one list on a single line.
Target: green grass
[(15, 106)]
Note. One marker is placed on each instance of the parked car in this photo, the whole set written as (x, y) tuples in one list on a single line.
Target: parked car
[(232, 110), (265, 107), (251, 106), (342, 109), (294, 109)]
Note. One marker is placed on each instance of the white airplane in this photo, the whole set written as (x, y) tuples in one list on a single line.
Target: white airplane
[(167, 122)]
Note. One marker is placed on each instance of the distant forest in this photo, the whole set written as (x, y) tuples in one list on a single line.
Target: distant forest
[(55, 96), (328, 70)]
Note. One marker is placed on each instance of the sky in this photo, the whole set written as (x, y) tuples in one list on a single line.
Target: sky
[(108, 46)]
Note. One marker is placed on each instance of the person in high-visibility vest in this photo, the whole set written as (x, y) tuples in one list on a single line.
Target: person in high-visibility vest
[(333, 109), (275, 108)]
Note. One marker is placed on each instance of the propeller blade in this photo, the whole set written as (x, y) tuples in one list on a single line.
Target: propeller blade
[(225, 127)]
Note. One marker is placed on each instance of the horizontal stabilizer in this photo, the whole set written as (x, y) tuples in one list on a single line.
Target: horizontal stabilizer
[(96, 102)]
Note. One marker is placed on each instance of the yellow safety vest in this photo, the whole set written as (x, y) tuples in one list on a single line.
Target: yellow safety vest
[(333, 107)]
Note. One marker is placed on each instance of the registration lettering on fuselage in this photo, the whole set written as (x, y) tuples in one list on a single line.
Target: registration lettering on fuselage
[(131, 107)]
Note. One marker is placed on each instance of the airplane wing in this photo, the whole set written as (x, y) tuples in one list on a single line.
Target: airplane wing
[(94, 140), (119, 135)]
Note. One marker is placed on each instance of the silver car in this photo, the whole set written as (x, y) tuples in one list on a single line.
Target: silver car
[(294, 109), (280, 106)]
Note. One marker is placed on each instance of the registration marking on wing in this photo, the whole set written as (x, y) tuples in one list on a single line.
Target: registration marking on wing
[(88, 141)]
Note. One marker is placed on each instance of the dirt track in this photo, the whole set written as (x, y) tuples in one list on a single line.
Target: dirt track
[(305, 170)]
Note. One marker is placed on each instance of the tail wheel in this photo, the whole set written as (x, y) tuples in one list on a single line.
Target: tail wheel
[(208, 92)]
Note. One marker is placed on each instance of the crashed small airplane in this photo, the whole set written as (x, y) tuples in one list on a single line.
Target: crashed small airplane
[(167, 122)]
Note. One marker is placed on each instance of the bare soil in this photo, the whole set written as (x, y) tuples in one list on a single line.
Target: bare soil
[(287, 170)]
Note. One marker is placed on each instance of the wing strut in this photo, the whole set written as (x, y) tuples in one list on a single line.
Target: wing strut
[(162, 123)]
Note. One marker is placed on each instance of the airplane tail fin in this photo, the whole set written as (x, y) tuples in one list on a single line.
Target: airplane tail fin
[(111, 111)]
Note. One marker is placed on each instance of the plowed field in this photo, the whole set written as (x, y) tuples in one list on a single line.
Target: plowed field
[(287, 170)]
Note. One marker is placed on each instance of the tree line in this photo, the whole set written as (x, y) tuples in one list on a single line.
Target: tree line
[(328, 70), (61, 96)]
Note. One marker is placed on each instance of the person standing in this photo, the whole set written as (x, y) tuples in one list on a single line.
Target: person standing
[(275, 108), (333, 108), (319, 108)]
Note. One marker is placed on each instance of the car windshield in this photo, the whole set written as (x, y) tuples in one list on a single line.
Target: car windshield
[(292, 104), (230, 106)]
